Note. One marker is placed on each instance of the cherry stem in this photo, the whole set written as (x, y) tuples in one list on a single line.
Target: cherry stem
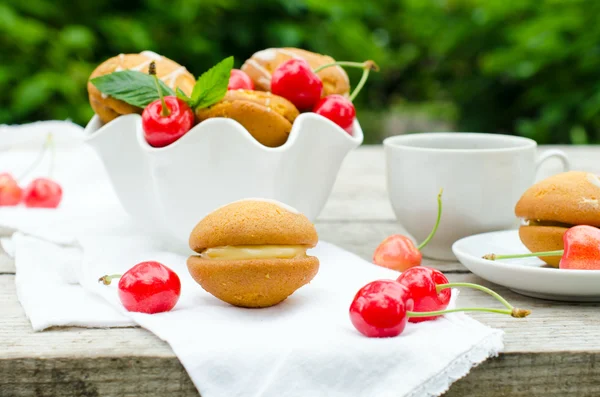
[(516, 313), (360, 84), (437, 222), (108, 278), (510, 310), (488, 291), (38, 159), (493, 257), (152, 71), (360, 65), (366, 66)]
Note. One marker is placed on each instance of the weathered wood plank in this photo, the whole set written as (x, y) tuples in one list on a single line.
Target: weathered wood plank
[(92, 377), (551, 353), (556, 374), (525, 375)]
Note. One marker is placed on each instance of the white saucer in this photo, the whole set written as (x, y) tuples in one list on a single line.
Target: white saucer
[(526, 276)]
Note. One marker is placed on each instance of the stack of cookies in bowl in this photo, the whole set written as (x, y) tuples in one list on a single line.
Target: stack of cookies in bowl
[(266, 95)]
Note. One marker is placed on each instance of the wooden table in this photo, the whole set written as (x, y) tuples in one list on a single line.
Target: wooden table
[(554, 352)]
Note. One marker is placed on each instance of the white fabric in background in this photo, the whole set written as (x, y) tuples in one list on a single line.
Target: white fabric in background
[(305, 346)]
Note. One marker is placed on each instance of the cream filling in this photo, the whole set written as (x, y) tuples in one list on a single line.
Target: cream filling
[(537, 222), (245, 252)]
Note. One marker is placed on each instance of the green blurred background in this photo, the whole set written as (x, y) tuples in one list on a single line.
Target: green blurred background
[(526, 67)]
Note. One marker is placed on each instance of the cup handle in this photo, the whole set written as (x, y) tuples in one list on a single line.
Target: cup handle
[(562, 156)]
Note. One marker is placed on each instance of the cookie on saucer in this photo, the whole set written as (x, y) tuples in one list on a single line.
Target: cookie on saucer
[(553, 205)]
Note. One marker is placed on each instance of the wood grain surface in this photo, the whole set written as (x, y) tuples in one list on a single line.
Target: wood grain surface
[(553, 352)]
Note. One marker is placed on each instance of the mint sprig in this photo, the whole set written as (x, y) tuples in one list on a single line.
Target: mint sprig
[(211, 86), (135, 88), (139, 89)]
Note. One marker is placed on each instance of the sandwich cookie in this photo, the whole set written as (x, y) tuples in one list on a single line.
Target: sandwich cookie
[(252, 253), (550, 207)]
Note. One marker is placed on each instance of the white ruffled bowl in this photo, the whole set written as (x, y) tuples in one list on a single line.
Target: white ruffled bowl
[(218, 161)]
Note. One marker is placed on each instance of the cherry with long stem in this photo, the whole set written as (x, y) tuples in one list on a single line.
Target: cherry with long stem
[(166, 119), (398, 252), (382, 308), (43, 192)]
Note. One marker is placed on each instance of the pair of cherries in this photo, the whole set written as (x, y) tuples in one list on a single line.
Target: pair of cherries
[(382, 308), (296, 81), (148, 287), (39, 193)]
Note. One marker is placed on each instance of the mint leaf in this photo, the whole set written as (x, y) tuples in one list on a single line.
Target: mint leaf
[(135, 88), (181, 95), (211, 87)]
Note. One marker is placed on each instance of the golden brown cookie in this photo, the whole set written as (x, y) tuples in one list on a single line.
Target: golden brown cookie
[(542, 239), (252, 253), (267, 117), (261, 65), (570, 197), (173, 74)]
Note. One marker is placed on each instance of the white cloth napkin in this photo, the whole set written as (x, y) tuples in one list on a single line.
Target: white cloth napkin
[(304, 346)]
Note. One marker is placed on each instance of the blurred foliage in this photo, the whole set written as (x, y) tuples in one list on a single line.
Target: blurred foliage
[(528, 67)]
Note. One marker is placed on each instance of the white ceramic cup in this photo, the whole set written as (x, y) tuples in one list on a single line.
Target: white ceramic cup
[(482, 177)]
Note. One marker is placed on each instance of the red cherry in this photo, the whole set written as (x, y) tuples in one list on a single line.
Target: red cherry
[(379, 308), (10, 191), (240, 80), (149, 287), (295, 81), (162, 130), (397, 252), (42, 193), (582, 248), (337, 109), (422, 282)]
